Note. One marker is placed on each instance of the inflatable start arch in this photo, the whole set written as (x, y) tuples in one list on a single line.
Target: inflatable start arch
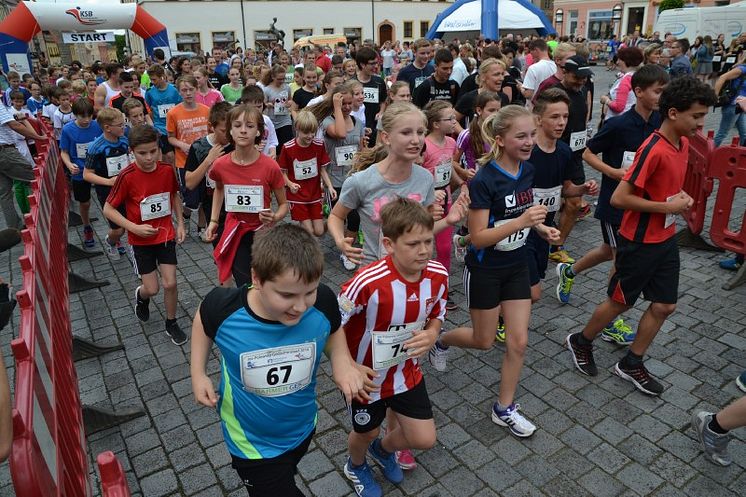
[(28, 18)]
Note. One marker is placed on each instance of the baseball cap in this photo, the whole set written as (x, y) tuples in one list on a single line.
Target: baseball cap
[(578, 65)]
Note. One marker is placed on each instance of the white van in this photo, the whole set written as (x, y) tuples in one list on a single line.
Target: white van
[(689, 23)]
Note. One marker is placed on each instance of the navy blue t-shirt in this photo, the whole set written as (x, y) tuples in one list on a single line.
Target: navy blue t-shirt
[(506, 197), (551, 170), (414, 76), (619, 137)]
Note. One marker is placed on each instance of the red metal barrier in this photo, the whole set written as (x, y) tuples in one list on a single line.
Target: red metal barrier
[(113, 482), (697, 182), (728, 166), (48, 456)]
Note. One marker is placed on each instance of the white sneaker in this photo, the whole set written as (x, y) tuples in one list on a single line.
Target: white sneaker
[(111, 250), (347, 263), (514, 420), (438, 358), (459, 252)]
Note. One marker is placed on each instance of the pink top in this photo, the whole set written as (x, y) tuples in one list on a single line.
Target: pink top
[(209, 99), (439, 160), (620, 99)]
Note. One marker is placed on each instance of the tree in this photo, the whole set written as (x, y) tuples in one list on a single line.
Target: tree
[(670, 4)]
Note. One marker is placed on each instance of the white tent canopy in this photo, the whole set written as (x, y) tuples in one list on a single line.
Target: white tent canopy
[(512, 15)]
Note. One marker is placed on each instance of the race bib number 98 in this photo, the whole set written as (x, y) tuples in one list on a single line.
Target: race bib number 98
[(278, 371)]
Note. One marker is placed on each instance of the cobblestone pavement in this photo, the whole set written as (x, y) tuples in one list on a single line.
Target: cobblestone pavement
[(596, 437)]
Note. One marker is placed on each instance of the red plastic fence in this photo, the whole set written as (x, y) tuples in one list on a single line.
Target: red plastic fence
[(728, 166), (48, 456), (697, 182)]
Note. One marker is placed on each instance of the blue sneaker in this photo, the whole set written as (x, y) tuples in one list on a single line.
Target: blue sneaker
[(88, 241), (121, 249), (362, 479), (564, 286), (730, 264), (741, 381), (619, 333), (389, 467)]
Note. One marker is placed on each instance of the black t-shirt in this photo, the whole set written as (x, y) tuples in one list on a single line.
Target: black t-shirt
[(217, 80), (575, 133), (375, 93), (431, 89), (469, 84), (415, 77), (620, 136), (301, 97), (551, 170), (466, 106), (517, 97), (197, 154)]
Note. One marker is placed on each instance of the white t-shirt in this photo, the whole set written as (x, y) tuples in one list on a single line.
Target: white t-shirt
[(537, 73)]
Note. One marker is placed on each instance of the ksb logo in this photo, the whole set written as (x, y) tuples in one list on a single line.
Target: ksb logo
[(85, 17)]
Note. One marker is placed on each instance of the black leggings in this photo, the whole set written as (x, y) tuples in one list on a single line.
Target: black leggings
[(241, 267), (353, 218), (273, 477)]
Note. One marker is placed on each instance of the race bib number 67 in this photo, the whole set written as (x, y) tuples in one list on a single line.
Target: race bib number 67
[(278, 371)]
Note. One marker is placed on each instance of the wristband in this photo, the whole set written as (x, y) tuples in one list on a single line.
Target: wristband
[(214, 221)]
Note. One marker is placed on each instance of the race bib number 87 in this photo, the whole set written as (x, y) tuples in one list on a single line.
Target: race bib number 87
[(278, 371)]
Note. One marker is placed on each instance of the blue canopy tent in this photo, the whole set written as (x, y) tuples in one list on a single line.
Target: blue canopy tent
[(511, 15)]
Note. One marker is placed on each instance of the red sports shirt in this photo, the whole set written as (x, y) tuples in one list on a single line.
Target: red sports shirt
[(150, 194), (263, 175), (657, 174), (376, 305), (303, 166)]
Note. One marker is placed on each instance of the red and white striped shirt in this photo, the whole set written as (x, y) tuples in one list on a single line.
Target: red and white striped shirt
[(380, 309)]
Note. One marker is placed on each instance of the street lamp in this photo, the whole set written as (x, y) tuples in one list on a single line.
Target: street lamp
[(558, 17)]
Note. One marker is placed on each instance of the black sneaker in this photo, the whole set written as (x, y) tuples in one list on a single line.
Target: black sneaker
[(640, 377), (582, 355), (142, 306), (451, 305), (178, 337)]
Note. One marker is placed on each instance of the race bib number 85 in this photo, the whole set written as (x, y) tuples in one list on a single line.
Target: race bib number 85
[(278, 371)]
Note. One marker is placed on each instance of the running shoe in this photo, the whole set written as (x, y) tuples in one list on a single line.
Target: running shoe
[(451, 305), (142, 306), (202, 234), (347, 263), (362, 479), (561, 255), (514, 420), (500, 333), (88, 241), (459, 251), (389, 467), (741, 381), (584, 211), (619, 333), (121, 249), (174, 331), (406, 460), (564, 286), (640, 377), (714, 445), (111, 250), (582, 355), (438, 357), (730, 264)]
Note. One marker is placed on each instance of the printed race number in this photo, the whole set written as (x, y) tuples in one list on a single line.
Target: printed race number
[(548, 197), (370, 95), (278, 371), (155, 206), (239, 198), (388, 346), (443, 174), (305, 169), (514, 240), (344, 155), (577, 140)]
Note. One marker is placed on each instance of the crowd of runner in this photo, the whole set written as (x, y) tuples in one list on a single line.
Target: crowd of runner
[(409, 156)]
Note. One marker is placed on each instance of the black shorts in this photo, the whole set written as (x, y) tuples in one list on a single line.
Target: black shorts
[(241, 268), (149, 257), (576, 170), (164, 145), (538, 258), (81, 191), (353, 218), (273, 477), (413, 403), (610, 232), (486, 287), (103, 194), (648, 268)]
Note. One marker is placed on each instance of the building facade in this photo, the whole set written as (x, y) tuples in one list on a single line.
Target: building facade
[(198, 26), (598, 20)]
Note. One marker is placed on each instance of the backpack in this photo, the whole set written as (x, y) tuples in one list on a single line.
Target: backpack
[(730, 91)]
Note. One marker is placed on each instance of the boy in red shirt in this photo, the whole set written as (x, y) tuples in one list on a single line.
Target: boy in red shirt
[(149, 192), (392, 311), (647, 259), (303, 161)]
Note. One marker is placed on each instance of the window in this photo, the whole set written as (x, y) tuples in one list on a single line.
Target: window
[(188, 42), (328, 31), (300, 33), (408, 29), (547, 4), (573, 27), (600, 25), (424, 28), (353, 34), (223, 39)]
